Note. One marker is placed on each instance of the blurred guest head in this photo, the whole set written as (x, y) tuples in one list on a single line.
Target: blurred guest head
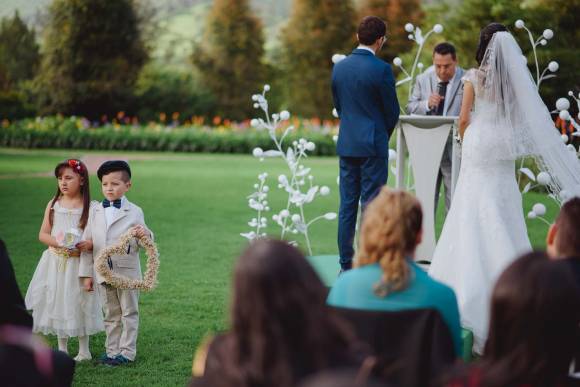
[(534, 319), (341, 378), (564, 235), (281, 325)]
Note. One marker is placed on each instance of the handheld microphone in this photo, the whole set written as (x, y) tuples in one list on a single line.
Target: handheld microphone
[(441, 89)]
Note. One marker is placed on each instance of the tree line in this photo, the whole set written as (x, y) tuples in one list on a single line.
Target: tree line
[(94, 57)]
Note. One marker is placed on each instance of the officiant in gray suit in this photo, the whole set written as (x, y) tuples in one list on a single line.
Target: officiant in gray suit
[(438, 92)]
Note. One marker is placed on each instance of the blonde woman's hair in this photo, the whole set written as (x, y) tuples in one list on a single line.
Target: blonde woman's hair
[(391, 224)]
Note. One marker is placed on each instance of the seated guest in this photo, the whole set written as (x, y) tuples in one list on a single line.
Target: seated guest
[(342, 378), (386, 278), (563, 242), (24, 359), (281, 329), (534, 319), (13, 309), (563, 239)]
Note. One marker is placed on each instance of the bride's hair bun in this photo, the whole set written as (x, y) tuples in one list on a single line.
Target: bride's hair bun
[(485, 36)]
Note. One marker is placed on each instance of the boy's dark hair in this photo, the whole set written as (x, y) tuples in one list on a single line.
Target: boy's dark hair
[(445, 49), (115, 166), (370, 29), (568, 226)]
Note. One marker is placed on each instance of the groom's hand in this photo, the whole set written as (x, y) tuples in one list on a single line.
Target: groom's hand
[(434, 101)]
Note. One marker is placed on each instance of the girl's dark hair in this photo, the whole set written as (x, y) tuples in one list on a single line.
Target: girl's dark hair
[(280, 320), (535, 312), (484, 37), (80, 169)]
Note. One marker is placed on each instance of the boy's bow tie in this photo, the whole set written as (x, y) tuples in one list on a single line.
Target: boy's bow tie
[(114, 203)]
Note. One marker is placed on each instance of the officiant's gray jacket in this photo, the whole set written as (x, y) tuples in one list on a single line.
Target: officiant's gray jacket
[(426, 84)]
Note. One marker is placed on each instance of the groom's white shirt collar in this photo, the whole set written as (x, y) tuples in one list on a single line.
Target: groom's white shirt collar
[(362, 47)]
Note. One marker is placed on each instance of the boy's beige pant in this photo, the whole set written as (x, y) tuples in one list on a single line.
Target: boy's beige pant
[(121, 308)]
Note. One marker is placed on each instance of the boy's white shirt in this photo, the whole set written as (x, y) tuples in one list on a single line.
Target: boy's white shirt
[(104, 234), (111, 211)]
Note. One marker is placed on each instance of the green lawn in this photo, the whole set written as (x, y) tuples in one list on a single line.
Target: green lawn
[(196, 204)]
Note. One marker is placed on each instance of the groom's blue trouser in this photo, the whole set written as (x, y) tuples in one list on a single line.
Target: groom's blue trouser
[(361, 178)]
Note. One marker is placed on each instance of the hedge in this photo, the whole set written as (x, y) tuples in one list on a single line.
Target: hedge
[(18, 135)]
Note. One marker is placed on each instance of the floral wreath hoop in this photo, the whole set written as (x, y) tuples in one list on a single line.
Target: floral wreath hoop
[(149, 281)]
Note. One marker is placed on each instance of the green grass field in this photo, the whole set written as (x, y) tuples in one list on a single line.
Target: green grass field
[(196, 204)]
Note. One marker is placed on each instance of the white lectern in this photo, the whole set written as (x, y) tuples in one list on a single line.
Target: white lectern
[(424, 137)]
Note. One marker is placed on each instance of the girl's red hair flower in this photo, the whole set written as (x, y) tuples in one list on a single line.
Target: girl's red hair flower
[(75, 164)]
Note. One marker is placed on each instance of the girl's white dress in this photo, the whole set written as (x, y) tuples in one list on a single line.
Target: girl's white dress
[(55, 295)]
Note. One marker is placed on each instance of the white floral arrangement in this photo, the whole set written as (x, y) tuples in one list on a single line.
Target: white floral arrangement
[(68, 239), (298, 183)]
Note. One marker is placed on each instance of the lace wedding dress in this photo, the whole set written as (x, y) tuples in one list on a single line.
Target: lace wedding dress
[(485, 228)]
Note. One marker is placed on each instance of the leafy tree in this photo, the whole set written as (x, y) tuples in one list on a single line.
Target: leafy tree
[(19, 58), (93, 53), (19, 53), (317, 29), (171, 91), (396, 13), (231, 57)]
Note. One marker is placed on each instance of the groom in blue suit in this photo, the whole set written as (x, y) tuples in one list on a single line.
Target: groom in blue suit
[(363, 90)]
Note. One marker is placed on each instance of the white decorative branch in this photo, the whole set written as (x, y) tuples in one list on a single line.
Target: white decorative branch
[(299, 176), (541, 40), (416, 35), (552, 67), (258, 202)]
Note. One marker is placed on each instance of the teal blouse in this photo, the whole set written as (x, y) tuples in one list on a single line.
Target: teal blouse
[(354, 289)]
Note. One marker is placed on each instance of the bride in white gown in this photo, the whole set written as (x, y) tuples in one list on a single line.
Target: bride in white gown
[(485, 228)]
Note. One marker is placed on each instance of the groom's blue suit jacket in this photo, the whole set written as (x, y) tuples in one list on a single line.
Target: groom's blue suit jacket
[(363, 89)]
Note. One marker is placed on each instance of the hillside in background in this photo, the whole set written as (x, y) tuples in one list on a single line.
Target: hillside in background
[(182, 22), (177, 23)]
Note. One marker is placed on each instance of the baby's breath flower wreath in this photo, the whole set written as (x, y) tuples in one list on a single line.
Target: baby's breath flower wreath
[(149, 281)]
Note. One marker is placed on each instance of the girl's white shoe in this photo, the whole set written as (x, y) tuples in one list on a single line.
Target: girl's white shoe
[(83, 357)]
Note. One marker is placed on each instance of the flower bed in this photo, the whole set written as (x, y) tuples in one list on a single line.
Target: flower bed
[(77, 133)]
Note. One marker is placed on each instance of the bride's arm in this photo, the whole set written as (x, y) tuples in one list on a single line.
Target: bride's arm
[(466, 105)]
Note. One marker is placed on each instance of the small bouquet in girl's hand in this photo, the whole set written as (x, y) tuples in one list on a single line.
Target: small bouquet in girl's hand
[(70, 238)]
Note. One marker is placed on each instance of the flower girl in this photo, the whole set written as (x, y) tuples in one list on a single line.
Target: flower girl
[(55, 295)]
